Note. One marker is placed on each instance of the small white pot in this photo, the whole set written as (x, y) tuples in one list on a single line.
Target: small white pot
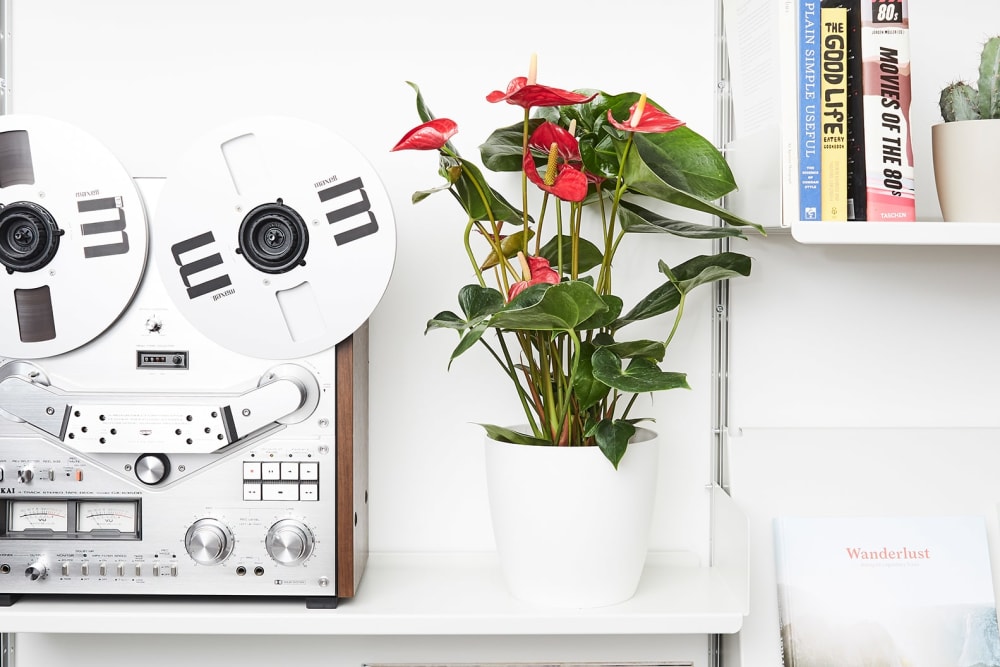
[(966, 164), (570, 530)]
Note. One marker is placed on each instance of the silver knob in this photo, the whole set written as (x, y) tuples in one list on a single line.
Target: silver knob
[(36, 571), (152, 468), (289, 542), (208, 541)]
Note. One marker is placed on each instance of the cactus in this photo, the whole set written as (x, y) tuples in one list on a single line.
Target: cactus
[(989, 79), (960, 101)]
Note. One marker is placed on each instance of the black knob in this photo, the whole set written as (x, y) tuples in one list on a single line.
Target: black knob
[(152, 468)]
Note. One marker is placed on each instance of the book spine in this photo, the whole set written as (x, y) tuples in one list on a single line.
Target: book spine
[(833, 113), (810, 199), (885, 49), (857, 188)]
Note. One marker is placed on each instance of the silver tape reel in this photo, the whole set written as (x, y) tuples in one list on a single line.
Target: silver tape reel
[(73, 237), (275, 237)]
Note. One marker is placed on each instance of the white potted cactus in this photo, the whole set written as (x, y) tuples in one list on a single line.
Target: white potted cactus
[(966, 146)]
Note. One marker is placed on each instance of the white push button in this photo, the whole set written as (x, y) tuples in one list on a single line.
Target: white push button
[(281, 492), (251, 492), (289, 471), (308, 491), (271, 471), (251, 470), (309, 471)]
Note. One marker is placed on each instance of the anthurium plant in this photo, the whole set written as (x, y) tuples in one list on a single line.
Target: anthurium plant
[(540, 298)]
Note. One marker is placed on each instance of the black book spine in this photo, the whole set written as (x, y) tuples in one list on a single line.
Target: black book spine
[(857, 189)]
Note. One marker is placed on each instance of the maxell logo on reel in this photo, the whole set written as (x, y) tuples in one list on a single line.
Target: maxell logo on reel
[(113, 226), (200, 265), (350, 210)]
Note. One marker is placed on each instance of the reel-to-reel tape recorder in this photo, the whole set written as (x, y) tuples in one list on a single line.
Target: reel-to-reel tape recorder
[(183, 406)]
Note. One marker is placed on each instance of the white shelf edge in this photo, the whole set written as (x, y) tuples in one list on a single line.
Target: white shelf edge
[(412, 594), (897, 233)]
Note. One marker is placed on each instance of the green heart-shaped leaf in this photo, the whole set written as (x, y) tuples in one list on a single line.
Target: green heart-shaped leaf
[(501, 434), (693, 272), (587, 389), (503, 149), (478, 302), (637, 220), (641, 376), (589, 255), (561, 307), (612, 437)]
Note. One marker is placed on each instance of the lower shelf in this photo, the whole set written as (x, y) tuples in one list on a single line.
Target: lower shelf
[(410, 594)]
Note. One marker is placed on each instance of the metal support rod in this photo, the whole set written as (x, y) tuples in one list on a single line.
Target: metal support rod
[(720, 300), (6, 649), (720, 330)]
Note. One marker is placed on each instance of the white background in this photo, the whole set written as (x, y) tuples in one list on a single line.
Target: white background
[(837, 351)]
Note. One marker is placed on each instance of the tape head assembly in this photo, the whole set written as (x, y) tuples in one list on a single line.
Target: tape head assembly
[(274, 237), (73, 237)]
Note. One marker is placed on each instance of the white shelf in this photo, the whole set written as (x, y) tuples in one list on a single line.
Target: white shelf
[(897, 233), (436, 594), (412, 594)]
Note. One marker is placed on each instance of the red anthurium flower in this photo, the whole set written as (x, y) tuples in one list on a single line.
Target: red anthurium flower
[(535, 271), (521, 93), (430, 136), (644, 117), (562, 176), (547, 134)]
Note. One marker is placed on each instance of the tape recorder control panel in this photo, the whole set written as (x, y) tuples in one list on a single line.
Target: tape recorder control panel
[(183, 403)]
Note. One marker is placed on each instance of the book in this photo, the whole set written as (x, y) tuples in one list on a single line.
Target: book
[(810, 199), (833, 113), (914, 591), (885, 52), (857, 189)]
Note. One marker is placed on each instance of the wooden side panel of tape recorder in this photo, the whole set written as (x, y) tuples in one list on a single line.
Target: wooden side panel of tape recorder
[(352, 460)]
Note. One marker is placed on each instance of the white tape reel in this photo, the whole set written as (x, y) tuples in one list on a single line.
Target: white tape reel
[(73, 237), (274, 237)]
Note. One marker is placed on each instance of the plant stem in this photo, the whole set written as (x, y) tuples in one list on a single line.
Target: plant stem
[(609, 246), (509, 369), (493, 239), (559, 238), (628, 407), (538, 224), (524, 179), (575, 219), (468, 251), (677, 319)]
